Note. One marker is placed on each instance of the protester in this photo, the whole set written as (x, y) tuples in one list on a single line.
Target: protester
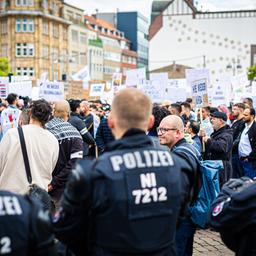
[(206, 123), (247, 144), (10, 115), (171, 134), (219, 145), (76, 120), (42, 148), (122, 220), (193, 129), (25, 227), (71, 148), (237, 127)]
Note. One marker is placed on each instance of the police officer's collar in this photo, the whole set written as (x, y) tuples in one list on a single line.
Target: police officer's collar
[(133, 138)]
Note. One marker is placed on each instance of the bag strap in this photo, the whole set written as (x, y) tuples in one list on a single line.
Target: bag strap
[(25, 154)]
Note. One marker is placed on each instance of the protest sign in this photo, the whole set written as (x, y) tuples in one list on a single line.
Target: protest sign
[(152, 89), (134, 76), (51, 91), (96, 90), (176, 90), (21, 88), (117, 79), (3, 87), (199, 81)]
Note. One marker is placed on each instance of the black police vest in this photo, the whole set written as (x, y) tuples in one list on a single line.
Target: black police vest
[(14, 224), (144, 191)]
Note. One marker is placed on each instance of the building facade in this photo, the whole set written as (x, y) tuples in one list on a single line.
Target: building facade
[(222, 41), (135, 27), (33, 34)]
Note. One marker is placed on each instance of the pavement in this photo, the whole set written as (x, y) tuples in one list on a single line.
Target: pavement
[(208, 243)]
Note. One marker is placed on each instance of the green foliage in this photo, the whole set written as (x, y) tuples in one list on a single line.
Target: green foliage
[(4, 67), (251, 73)]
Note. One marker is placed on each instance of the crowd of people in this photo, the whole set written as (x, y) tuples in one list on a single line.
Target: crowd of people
[(122, 178)]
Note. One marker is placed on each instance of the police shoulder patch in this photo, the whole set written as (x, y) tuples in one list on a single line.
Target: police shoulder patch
[(219, 207)]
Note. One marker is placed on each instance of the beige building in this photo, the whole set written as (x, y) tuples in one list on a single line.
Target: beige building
[(34, 37)]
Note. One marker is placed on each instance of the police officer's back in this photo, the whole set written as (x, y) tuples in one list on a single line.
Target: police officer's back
[(25, 229), (134, 191), (233, 214)]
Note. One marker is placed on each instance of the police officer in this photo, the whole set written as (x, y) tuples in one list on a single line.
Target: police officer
[(233, 214), (131, 197), (25, 229)]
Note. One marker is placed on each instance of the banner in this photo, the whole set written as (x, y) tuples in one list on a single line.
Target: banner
[(199, 81), (3, 87), (176, 90), (96, 90), (20, 78), (51, 91), (22, 88), (134, 76)]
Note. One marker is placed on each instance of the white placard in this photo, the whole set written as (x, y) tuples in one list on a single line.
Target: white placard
[(51, 91), (176, 90), (44, 76), (134, 76), (4, 87), (35, 93), (199, 81), (96, 90), (22, 88), (152, 89), (20, 78), (82, 75)]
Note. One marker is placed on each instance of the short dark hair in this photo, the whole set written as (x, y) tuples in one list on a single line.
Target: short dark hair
[(159, 113), (213, 109), (195, 127), (239, 105), (41, 111), (186, 105), (189, 100), (207, 108), (177, 106), (11, 98), (252, 111), (74, 104), (249, 99)]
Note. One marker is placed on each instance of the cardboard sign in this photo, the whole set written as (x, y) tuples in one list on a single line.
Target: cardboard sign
[(22, 88), (82, 75), (199, 81), (51, 91), (96, 90), (117, 79), (152, 89)]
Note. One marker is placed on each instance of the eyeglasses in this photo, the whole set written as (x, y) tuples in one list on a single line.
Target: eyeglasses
[(164, 130)]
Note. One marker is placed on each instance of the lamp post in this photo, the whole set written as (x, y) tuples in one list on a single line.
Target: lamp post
[(235, 66)]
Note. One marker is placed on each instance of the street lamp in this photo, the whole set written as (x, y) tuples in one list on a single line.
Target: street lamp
[(235, 66)]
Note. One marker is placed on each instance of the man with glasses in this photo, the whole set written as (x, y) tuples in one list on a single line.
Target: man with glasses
[(171, 134)]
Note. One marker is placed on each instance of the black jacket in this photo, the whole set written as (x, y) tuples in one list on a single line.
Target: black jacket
[(128, 214), (237, 127), (219, 147)]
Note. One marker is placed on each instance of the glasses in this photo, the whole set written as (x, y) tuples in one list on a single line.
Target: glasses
[(164, 130)]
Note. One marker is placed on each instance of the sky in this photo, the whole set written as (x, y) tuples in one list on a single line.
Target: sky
[(144, 6)]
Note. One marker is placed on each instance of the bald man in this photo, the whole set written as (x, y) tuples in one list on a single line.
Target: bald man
[(171, 134), (134, 191), (71, 147)]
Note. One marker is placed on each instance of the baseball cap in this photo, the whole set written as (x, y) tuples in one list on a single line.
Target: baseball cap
[(220, 115)]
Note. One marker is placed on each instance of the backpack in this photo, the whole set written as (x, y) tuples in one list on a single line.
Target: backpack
[(210, 187)]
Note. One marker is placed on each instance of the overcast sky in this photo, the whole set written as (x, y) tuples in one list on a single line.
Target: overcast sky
[(144, 6)]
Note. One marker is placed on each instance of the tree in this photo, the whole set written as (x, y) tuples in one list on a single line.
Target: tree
[(251, 73), (4, 67)]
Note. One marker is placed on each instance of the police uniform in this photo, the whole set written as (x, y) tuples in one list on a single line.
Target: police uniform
[(130, 198), (233, 214), (25, 229)]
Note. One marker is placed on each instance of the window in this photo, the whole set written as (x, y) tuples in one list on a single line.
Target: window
[(45, 52), (65, 34), (24, 25), (24, 2), (83, 59), (4, 27), (4, 51), (83, 38), (74, 35), (24, 50), (45, 28), (75, 57), (55, 30), (25, 71)]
